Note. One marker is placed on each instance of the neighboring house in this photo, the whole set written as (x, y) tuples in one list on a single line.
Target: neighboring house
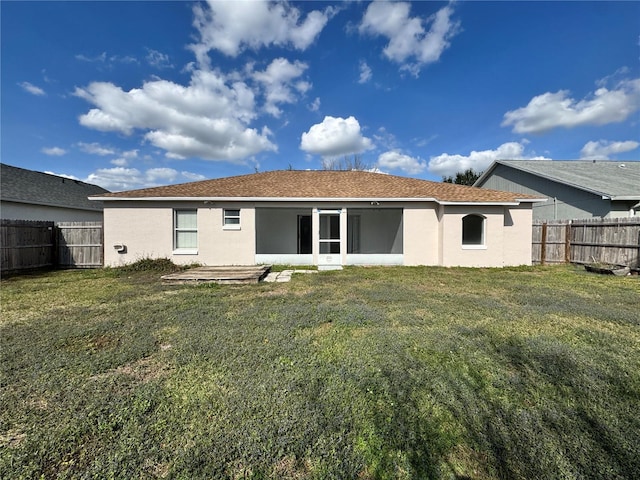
[(324, 218), (30, 195), (576, 189)]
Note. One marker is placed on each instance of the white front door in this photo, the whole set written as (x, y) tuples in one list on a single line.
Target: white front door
[(329, 255)]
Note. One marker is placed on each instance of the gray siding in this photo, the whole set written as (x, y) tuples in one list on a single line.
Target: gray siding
[(25, 211), (563, 201)]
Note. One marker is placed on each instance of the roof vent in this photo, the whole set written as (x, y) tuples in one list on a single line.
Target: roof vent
[(622, 165)]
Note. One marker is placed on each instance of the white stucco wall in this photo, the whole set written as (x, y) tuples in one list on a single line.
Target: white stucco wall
[(431, 234), (507, 237), (146, 230), (420, 224), (517, 235)]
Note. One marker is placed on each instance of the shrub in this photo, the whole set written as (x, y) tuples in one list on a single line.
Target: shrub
[(155, 265)]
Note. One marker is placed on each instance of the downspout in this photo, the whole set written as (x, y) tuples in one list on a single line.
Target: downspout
[(555, 208)]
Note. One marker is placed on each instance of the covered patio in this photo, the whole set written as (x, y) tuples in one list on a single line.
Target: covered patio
[(329, 236)]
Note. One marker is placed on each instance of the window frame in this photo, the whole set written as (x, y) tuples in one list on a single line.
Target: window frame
[(177, 250), (226, 216), (482, 244)]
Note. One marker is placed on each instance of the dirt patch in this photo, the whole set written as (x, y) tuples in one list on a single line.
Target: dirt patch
[(289, 467), (143, 370), (155, 469), (12, 438)]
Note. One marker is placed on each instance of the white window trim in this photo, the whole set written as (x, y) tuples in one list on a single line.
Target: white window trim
[(184, 251), (474, 247), (232, 226)]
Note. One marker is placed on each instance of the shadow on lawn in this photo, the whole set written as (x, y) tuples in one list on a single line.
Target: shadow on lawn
[(553, 415)]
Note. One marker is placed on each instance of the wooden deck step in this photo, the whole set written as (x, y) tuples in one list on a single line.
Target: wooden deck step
[(223, 275)]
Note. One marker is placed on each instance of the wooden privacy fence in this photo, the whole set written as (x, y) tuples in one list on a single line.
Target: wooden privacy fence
[(34, 244), (614, 241)]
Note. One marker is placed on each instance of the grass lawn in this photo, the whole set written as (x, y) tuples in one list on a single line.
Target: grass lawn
[(366, 373)]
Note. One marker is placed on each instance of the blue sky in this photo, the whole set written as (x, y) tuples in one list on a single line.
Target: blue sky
[(134, 94)]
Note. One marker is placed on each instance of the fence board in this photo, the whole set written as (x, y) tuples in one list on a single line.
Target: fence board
[(25, 245), (549, 242), (35, 244), (79, 244), (613, 241)]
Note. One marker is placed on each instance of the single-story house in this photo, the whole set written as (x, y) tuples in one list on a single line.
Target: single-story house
[(324, 218), (574, 189), (30, 195)]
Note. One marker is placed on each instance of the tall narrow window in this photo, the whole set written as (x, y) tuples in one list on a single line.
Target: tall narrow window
[(231, 219), (473, 230), (185, 225)]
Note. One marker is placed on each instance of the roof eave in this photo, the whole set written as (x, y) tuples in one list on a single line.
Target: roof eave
[(467, 202), (482, 178), (314, 199), (265, 199), (624, 198)]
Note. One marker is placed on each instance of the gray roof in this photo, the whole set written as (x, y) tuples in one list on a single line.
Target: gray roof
[(27, 186), (615, 180)]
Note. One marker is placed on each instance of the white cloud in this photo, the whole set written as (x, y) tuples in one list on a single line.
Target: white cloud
[(120, 178), (95, 149), (385, 139), (32, 89), (230, 27), (280, 85), (158, 59), (119, 162), (315, 105), (106, 60), (54, 151), (192, 177), (98, 58), (552, 110), (365, 72), (394, 160), (207, 119), (603, 149), (410, 44), (446, 164), (335, 136), (130, 153)]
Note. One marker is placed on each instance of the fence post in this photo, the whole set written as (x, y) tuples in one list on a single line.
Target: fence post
[(55, 241), (543, 244), (567, 243)]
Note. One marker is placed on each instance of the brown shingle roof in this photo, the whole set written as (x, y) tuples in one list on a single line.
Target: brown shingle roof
[(325, 184)]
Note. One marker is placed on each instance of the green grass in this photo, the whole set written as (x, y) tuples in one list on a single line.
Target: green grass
[(370, 373)]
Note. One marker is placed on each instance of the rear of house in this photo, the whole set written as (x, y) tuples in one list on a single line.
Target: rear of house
[(323, 218)]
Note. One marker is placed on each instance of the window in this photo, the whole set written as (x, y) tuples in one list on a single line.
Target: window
[(185, 226), (231, 219), (473, 230)]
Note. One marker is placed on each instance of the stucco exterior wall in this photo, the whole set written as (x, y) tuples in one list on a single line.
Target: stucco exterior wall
[(421, 234), (431, 234), (517, 235), (25, 211), (145, 229), (507, 237)]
